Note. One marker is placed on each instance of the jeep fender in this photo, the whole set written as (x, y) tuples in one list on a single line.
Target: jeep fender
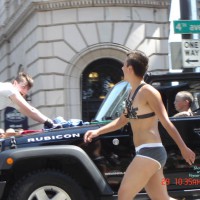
[(71, 150)]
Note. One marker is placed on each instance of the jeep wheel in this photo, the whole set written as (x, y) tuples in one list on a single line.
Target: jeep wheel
[(48, 184)]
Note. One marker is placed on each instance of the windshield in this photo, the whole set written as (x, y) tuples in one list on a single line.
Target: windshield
[(114, 103)]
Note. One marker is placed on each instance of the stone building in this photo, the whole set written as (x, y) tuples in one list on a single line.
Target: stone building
[(65, 44)]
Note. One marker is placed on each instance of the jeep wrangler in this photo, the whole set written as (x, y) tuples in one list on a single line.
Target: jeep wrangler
[(57, 164)]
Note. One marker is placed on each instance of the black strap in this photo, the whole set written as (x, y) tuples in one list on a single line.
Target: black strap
[(146, 115), (135, 109), (136, 91)]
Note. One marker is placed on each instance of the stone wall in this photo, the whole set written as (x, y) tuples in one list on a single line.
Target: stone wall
[(54, 41)]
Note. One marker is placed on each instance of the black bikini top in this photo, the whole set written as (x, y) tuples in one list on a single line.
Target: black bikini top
[(130, 112)]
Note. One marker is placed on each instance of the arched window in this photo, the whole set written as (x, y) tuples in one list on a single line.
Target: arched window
[(97, 79)]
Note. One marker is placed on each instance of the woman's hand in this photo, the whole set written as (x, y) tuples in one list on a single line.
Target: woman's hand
[(89, 135), (188, 155)]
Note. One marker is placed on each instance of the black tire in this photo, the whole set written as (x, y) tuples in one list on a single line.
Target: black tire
[(48, 183)]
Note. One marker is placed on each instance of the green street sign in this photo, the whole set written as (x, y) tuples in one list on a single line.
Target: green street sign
[(187, 26)]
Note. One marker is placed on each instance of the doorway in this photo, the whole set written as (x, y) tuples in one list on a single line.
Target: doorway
[(97, 79)]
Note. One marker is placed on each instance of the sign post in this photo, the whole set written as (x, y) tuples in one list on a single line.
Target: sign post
[(191, 53), (187, 26)]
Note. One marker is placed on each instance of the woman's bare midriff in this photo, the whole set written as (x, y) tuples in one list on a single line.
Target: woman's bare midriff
[(145, 131)]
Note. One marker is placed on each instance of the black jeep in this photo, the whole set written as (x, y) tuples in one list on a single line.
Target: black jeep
[(57, 164)]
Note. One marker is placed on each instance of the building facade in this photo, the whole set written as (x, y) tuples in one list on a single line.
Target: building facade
[(55, 41)]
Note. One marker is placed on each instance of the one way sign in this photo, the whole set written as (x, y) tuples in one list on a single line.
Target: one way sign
[(191, 53)]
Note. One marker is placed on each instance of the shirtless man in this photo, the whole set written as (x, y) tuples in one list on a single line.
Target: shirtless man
[(144, 107)]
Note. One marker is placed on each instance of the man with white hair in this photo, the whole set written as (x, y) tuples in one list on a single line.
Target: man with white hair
[(182, 103)]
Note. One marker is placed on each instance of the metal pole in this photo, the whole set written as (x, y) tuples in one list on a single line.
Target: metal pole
[(185, 13)]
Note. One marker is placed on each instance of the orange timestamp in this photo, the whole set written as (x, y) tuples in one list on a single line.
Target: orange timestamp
[(180, 181)]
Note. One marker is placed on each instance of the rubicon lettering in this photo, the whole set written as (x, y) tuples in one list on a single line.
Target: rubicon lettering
[(53, 137)]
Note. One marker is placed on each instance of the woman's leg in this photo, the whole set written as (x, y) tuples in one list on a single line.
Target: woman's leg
[(155, 187), (136, 177)]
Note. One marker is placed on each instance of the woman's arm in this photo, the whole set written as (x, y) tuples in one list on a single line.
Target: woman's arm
[(156, 104), (112, 126)]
